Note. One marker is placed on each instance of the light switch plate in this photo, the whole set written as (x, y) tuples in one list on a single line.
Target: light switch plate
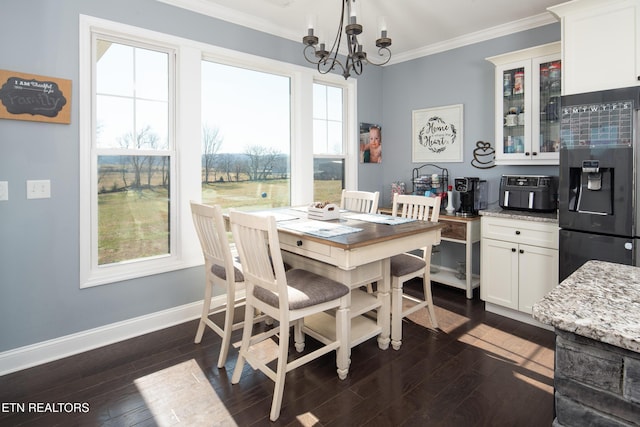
[(38, 189), (4, 190)]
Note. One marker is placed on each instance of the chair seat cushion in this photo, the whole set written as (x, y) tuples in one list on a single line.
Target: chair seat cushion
[(305, 290), (222, 273), (406, 264)]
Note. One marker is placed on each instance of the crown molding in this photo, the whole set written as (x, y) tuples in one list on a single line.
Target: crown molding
[(476, 37), (226, 14), (253, 22)]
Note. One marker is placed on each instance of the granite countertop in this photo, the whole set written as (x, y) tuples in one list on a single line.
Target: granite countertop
[(600, 300), (523, 215)]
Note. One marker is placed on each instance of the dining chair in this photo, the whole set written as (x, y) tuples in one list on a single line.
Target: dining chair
[(222, 272), (407, 266), (360, 201), (287, 296)]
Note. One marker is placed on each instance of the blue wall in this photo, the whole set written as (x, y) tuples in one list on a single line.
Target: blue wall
[(459, 76), (40, 297)]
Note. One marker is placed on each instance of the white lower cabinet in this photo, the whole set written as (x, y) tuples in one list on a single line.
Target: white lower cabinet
[(519, 262)]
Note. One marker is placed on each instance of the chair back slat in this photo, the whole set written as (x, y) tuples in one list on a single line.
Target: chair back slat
[(360, 201), (209, 224), (256, 237), (416, 207)]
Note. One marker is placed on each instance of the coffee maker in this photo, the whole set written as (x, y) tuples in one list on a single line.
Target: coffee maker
[(473, 195)]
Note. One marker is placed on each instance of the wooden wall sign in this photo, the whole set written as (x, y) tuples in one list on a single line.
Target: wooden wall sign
[(35, 98)]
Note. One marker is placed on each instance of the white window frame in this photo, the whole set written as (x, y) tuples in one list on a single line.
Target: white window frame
[(347, 146), (186, 183)]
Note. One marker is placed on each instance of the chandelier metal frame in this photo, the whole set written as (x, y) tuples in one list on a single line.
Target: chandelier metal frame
[(356, 58)]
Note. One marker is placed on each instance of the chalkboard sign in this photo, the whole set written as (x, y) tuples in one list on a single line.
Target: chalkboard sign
[(35, 98)]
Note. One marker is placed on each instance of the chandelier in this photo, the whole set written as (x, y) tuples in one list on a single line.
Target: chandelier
[(327, 61)]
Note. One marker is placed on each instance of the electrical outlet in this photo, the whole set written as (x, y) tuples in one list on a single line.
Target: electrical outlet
[(38, 189), (4, 190)]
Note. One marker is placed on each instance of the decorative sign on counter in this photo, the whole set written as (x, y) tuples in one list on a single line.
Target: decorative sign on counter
[(34, 98), (437, 134)]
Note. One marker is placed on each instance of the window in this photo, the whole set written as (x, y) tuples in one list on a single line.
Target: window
[(328, 143), (133, 152), (128, 155), (155, 117), (246, 128)]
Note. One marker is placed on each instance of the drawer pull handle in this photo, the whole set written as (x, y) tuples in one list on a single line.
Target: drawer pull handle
[(513, 249), (299, 243), (518, 232)]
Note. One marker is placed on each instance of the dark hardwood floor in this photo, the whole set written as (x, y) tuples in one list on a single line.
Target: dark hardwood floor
[(479, 369)]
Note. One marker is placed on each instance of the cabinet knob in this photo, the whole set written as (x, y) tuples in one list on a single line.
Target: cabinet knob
[(299, 243), (535, 153), (527, 154), (513, 249), (521, 251), (518, 232)]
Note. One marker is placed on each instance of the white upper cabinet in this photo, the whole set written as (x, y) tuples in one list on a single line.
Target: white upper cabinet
[(527, 100), (600, 44)]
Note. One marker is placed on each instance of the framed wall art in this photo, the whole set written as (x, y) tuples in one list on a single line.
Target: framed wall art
[(370, 143), (34, 98), (437, 134)]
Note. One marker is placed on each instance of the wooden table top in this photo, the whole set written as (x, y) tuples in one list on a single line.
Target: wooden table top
[(372, 233)]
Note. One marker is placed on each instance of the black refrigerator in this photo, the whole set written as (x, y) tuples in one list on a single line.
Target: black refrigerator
[(598, 190)]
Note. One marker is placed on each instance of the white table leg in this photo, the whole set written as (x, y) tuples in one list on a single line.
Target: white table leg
[(343, 335), (396, 316), (384, 312)]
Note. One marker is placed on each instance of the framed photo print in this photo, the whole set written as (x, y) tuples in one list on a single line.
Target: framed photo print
[(437, 134), (370, 143)]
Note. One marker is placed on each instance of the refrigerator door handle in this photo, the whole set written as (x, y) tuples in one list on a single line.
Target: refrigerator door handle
[(531, 194)]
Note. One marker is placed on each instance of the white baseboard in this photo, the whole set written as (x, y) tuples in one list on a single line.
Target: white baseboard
[(47, 351), (515, 315)]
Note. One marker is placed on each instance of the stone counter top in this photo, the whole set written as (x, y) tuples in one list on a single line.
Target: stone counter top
[(522, 215), (600, 300)]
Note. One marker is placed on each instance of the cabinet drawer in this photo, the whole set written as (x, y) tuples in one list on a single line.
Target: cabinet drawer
[(541, 234), (454, 230), (302, 246)]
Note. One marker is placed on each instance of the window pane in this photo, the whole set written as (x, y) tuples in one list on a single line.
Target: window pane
[(328, 137), (133, 208), (246, 137), (151, 75), (114, 69), (151, 120), (319, 101), (334, 103), (334, 138), (319, 136), (114, 120), (328, 179)]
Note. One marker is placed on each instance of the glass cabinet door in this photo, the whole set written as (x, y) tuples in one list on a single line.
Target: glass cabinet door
[(513, 110), (527, 104), (548, 72)]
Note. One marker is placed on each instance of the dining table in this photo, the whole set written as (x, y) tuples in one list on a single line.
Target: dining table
[(354, 249)]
